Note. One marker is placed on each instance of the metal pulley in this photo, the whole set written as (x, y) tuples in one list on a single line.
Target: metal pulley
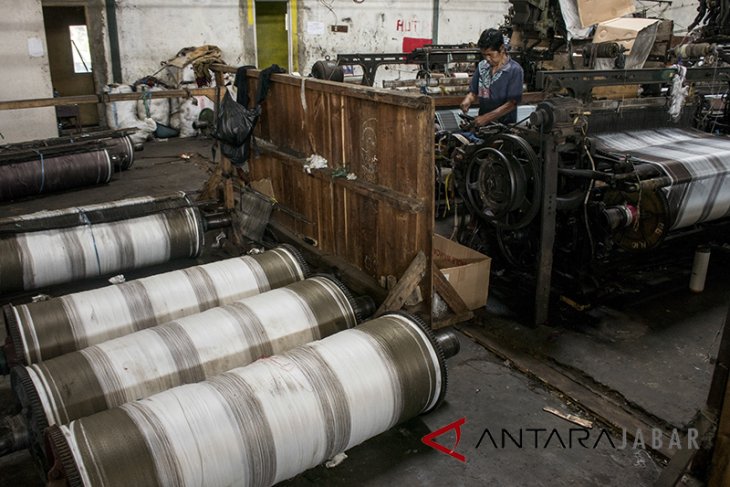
[(501, 181)]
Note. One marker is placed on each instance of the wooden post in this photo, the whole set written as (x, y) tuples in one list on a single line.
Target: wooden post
[(225, 163), (719, 400), (406, 285)]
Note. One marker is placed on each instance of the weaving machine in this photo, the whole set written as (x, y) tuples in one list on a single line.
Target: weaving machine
[(590, 192)]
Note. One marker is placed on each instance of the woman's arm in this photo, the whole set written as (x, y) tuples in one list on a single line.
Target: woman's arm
[(495, 114), (469, 99)]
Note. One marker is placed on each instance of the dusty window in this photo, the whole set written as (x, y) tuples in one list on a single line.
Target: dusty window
[(80, 48)]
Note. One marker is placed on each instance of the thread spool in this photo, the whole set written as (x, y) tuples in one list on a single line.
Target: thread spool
[(46, 329), (264, 423), (37, 259), (185, 351), (50, 174), (699, 269)]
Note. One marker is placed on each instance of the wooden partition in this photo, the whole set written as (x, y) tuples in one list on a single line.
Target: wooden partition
[(377, 222)]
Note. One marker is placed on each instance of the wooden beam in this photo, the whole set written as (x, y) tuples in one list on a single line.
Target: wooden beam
[(355, 279), (453, 101), (447, 292), (376, 95), (718, 400), (103, 98), (381, 193), (453, 320), (406, 285)]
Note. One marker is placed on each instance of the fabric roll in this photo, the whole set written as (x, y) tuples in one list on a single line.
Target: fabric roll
[(264, 423), (47, 329)]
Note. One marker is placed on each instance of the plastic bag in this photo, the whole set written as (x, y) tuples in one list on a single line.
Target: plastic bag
[(234, 126)]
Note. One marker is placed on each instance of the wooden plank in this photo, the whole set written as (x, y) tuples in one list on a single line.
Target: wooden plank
[(102, 98), (600, 405), (452, 320), (453, 101), (399, 201), (355, 279), (447, 292), (350, 90), (211, 186), (406, 285), (718, 400)]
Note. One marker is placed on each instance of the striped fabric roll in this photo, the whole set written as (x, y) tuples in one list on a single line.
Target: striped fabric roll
[(696, 163), (46, 329), (57, 173), (264, 423), (36, 259), (185, 351)]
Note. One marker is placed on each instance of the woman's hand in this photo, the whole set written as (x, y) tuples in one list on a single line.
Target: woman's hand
[(483, 120), (469, 99)]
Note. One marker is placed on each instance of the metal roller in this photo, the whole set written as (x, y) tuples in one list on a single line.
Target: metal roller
[(121, 152), (117, 143), (48, 174), (46, 329), (188, 350), (263, 423), (97, 213), (693, 170), (35, 259)]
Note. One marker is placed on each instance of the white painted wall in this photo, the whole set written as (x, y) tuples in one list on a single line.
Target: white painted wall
[(381, 26), (24, 75), (152, 31)]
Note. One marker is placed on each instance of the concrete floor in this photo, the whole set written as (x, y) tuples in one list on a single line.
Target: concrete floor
[(657, 354)]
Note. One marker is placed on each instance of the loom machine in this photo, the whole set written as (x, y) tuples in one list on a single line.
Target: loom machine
[(579, 200)]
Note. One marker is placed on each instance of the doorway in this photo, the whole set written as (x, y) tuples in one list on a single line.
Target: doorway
[(69, 58), (272, 33)]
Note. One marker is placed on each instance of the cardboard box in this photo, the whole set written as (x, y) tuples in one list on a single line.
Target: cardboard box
[(636, 35), (594, 11), (466, 270)]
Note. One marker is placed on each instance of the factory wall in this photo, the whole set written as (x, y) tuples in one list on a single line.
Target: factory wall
[(152, 31), (390, 26), (24, 62)]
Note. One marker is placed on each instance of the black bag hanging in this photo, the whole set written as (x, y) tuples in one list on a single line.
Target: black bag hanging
[(235, 121)]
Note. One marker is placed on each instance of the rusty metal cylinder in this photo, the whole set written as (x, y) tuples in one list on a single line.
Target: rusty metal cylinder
[(49, 174), (46, 329), (263, 423), (91, 248)]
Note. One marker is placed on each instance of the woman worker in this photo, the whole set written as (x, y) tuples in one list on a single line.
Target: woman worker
[(497, 82)]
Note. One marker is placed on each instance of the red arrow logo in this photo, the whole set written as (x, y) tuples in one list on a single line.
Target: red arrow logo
[(456, 425)]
